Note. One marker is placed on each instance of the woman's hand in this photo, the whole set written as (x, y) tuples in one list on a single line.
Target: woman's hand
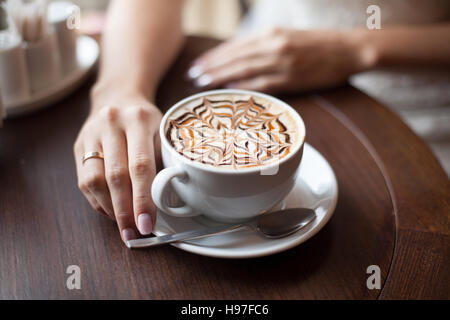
[(118, 186), (283, 60)]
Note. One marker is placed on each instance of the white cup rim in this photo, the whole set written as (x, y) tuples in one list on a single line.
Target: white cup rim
[(227, 171)]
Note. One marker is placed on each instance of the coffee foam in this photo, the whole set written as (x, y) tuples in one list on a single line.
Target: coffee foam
[(233, 131)]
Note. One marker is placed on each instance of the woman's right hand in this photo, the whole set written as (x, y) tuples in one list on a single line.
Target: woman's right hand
[(126, 132)]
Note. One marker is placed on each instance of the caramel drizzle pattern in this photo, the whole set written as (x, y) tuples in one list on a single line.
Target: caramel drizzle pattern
[(238, 133)]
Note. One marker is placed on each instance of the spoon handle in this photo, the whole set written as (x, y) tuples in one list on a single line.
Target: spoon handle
[(187, 235)]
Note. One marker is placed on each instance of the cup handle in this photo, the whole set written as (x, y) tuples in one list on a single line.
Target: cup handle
[(159, 190)]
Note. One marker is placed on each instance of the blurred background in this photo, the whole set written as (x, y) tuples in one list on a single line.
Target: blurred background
[(216, 18)]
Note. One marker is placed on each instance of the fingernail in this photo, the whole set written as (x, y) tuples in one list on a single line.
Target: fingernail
[(145, 224), (203, 81), (128, 234), (194, 72)]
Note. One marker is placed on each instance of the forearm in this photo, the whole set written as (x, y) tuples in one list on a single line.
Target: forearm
[(409, 46), (140, 41)]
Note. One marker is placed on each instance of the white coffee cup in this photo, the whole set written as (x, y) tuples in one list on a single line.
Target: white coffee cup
[(230, 195)]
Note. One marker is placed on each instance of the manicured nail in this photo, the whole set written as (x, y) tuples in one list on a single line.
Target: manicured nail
[(194, 72), (129, 234), (145, 224), (203, 81)]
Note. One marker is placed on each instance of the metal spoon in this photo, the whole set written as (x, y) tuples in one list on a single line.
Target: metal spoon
[(277, 224)]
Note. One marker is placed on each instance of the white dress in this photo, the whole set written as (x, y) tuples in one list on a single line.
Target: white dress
[(422, 97)]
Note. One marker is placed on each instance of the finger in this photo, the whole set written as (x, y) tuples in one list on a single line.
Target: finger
[(82, 185), (117, 175), (259, 45), (243, 69), (232, 45), (141, 163), (224, 58), (265, 83), (93, 202), (93, 176)]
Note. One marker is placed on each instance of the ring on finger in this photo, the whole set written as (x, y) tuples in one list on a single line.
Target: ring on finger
[(92, 155)]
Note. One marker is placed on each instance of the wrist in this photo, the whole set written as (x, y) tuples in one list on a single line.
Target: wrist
[(365, 51)]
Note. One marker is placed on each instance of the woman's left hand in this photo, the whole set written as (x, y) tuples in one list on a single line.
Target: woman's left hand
[(283, 60)]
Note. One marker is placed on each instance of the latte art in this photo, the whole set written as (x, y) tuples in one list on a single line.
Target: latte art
[(232, 132)]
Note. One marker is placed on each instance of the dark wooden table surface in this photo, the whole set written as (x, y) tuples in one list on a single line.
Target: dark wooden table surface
[(393, 211)]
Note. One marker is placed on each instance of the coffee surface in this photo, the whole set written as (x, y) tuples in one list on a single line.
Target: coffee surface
[(232, 131)]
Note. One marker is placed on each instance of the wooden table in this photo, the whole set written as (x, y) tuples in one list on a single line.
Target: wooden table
[(393, 211)]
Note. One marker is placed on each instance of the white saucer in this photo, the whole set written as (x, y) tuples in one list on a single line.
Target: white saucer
[(316, 183), (87, 56)]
